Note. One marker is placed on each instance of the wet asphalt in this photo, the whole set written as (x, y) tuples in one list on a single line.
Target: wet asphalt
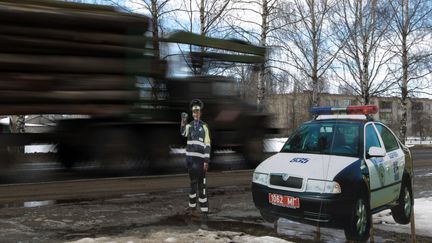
[(248, 222)]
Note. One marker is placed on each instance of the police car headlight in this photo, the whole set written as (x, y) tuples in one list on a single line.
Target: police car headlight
[(323, 186), (260, 178)]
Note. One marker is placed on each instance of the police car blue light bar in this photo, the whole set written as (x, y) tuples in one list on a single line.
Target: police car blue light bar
[(329, 110)]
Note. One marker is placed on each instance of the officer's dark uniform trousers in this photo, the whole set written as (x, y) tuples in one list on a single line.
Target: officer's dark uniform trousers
[(197, 152)]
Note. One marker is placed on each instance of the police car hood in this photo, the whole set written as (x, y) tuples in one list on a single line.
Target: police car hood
[(314, 166)]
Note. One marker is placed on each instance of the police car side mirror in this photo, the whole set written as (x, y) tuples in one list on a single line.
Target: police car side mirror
[(376, 152)]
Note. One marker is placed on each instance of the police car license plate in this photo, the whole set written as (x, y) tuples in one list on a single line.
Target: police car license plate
[(284, 201)]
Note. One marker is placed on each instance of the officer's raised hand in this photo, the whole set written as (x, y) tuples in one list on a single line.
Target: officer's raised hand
[(184, 117)]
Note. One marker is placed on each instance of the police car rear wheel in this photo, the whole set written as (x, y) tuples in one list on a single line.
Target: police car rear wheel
[(402, 212), (357, 228)]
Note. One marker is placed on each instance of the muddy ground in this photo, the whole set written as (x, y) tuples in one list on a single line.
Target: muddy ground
[(158, 217)]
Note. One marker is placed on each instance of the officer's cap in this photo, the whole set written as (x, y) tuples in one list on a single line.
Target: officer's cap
[(196, 104)]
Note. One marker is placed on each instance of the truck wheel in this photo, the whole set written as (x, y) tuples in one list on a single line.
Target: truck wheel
[(67, 156), (268, 217), (402, 212), (7, 158), (358, 226), (138, 162), (67, 163), (120, 148)]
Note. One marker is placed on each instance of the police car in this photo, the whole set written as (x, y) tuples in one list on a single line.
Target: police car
[(336, 171)]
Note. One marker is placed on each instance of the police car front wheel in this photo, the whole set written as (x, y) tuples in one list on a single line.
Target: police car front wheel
[(402, 212), (357, 229)]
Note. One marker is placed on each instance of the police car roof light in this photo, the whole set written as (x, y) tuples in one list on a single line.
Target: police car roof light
[(329, 110), (364, 109), (321, 110)]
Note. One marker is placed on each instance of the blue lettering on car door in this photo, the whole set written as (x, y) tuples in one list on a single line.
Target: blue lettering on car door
[(393, 155), (378, 163)]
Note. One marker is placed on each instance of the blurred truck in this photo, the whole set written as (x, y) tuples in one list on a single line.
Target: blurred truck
[(88, 63)]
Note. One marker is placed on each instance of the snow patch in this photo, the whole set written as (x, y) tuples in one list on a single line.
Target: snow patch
[(425, 175), (199, 235), (170, 240)]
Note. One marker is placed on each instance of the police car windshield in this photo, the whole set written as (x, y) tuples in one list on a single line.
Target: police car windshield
[(325, 137)]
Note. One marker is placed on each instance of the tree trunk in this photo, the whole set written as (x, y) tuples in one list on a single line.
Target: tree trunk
[(404, 82), (17, 125), (155, 42), (203, 33), (365, 76), (263, 42), (294, 112), (155, 28), (315, 81)]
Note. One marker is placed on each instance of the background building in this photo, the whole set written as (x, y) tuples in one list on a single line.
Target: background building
[(290, 110)]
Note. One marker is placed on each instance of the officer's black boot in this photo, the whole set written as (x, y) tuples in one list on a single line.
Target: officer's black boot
[(191, 214)]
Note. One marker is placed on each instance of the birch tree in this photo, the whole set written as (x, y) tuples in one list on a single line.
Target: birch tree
[(306, 41), (158, 10), (203, 17), (207, 13), (256, 21), (361, 27), (266, 8), (411, 25)]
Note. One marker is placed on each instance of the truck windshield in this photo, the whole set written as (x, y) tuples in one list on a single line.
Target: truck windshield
[(334, 138)]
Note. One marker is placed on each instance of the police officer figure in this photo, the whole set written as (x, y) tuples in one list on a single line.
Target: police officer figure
[(197, 156)]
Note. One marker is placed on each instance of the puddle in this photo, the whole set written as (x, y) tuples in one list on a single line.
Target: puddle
[(251, 226), (308, 232), (31, 204), (44, 203)]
